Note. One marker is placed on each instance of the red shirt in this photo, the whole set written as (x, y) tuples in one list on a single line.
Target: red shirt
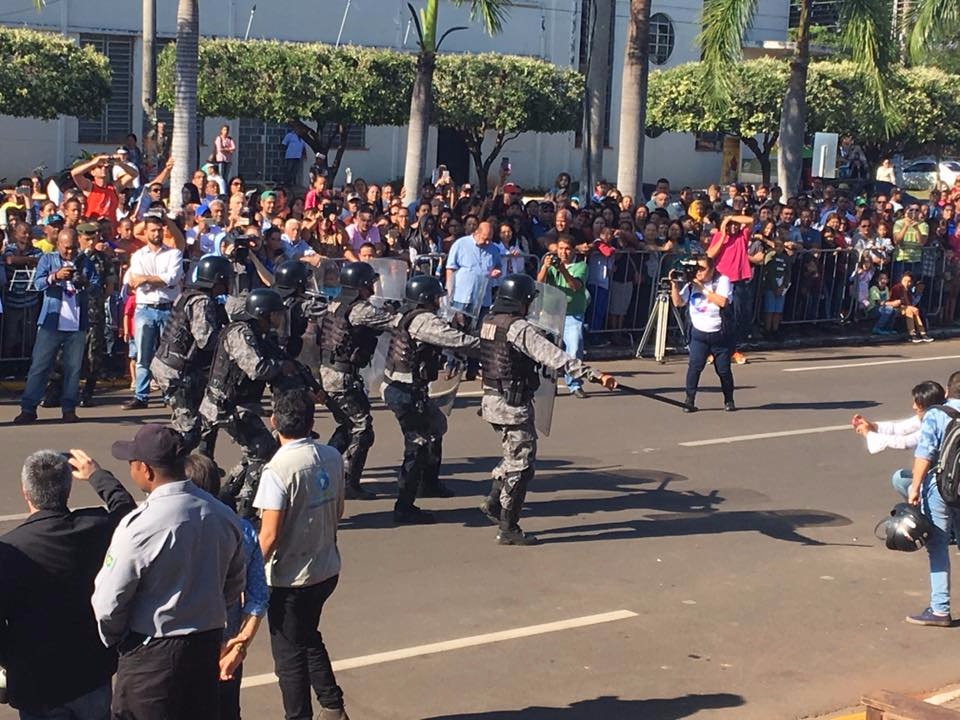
[(899, 292), (731, 260), (102, 202)]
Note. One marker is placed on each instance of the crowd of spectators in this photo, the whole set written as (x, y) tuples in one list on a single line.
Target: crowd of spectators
[(818, 257)]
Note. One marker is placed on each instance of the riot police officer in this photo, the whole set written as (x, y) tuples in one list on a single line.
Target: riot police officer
[(414, 360), (348, 338), (182, 361), (512, 351), (290, 280), (244, 362)]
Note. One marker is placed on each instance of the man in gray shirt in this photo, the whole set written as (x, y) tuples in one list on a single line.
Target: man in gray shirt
[(301, 496), (173, 566)]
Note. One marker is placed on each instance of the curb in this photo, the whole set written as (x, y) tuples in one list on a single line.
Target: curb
[(947, 696)]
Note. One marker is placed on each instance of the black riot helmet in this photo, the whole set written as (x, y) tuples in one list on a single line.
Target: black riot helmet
[(424, 290), (357, 275), (906, 529), (291, 278), (516, 293), (262, 302), (212, 270)]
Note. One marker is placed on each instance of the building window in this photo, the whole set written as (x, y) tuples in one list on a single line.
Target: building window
[(115, 119), (662, 38)]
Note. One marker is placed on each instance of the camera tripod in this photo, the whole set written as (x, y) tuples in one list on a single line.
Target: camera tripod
[(659, 322)]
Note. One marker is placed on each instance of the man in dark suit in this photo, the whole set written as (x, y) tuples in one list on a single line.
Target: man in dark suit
[(56, 664)]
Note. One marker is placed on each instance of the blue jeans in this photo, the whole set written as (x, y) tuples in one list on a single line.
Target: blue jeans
[(148, 325), (95, 705), (743, 301), (701, 345), (573, 345), (45, 349), (943, 518), (886, 316)]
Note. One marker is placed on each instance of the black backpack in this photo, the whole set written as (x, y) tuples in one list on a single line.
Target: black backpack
[(948, 463)]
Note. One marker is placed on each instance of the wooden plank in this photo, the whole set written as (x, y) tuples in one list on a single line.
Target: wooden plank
[(895, 705)]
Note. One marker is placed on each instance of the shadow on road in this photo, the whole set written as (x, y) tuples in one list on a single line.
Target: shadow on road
[(609, 707), (826, 405), (775, 524)]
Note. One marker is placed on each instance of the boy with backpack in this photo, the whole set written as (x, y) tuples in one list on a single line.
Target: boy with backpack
[(934, 487)]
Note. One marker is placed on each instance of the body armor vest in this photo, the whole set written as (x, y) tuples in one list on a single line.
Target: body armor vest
[(228, 384), (408, 356), (177, 345), (505, 369), (346, 347)]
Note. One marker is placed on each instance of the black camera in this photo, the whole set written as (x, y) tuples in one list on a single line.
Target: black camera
[(552, 258), (329, 209), (685, 272)]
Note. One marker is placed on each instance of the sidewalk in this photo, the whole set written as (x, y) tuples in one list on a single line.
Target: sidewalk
[(947, 698)]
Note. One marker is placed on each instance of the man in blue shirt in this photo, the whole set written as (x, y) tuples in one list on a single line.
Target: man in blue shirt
[(293, 152), (473, 266), (923, 491), (64, 277)]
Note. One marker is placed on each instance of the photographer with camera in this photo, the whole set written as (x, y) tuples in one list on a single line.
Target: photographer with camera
[(242, 247), (64, 277), (707, 293), (560, 270)]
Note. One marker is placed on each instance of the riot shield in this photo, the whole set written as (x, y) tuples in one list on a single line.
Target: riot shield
[(393, 278), (443, 390), (325, 280), (548, 312), (464, 315)]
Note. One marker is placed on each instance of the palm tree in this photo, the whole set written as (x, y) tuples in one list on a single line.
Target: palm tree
[(633, 101), (183, 142), (867, 34), (492, 13), (595, 97)]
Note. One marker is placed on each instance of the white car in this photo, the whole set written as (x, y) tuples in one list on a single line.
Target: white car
[(922, 174)]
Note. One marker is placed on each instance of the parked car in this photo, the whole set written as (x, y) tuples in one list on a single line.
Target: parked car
[(922, 174)]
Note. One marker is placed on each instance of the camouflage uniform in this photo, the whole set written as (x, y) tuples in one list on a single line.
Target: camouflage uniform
[(421, 421), (514, 423)]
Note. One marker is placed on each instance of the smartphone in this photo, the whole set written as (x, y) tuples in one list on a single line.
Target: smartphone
[(505, 165), (445, 177)]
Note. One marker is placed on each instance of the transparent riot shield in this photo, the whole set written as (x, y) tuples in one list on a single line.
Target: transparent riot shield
[(390, 287), (393, 278), (464, 312), (325, 280), (443, 390), (548, 312)]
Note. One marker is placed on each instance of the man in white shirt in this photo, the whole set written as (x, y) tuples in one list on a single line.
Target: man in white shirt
[(156, 273), (301, 497), (294, 148)]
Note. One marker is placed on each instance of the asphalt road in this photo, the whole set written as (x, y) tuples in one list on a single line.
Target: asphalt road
[(730, 580)]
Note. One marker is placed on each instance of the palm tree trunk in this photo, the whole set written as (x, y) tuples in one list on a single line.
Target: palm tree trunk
[(633, 102), (793, 117), (148, 74), (419, 127), (183, 143), (595, 97)]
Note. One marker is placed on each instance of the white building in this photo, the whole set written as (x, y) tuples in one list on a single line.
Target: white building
[(548, 29)]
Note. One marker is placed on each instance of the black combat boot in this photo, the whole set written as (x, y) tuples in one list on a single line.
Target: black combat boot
[(353, 491), (411, 515), (490, 506), (86, 397), (510, 532)]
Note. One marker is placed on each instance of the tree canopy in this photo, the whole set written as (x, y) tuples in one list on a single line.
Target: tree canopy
[(506, 94), (44, 75), (839, 100), (348, 86)]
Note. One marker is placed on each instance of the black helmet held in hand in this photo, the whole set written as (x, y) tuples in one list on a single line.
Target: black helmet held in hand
[(906, 529), (518, 288), (262, 302), (212, 270), (356, 275), (424, 289), (291, 278)]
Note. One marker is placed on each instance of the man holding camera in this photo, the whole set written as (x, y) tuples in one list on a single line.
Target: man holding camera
[(707, 294), (560, 270), (64, 278)]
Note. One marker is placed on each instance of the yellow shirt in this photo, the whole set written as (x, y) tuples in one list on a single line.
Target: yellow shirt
[(44, 245)]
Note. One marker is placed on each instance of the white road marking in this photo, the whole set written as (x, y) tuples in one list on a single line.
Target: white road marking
[(871, 363), (944, 697), (459, 643), (764, 436), (14, 518)]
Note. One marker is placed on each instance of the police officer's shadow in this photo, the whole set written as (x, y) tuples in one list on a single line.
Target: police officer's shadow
[(612, 708)]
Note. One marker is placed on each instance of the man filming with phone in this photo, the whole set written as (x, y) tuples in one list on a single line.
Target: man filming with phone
[(697, 285)]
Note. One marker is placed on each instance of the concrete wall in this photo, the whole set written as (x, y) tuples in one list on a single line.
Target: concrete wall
[(542, 28)]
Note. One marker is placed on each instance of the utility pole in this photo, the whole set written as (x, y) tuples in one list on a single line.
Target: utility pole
[(148, 70)]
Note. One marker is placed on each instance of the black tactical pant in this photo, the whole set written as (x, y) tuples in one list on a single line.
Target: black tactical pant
[(513, 474), (257, 444), (353, 437), (423, 426)]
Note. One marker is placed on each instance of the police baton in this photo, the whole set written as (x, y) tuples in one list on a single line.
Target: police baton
[(648, 394)]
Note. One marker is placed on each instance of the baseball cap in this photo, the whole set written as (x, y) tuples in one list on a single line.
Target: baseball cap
[(154, 444), (511, 188), (53, 219), (88, 228), (268, 193), (352, 197)]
